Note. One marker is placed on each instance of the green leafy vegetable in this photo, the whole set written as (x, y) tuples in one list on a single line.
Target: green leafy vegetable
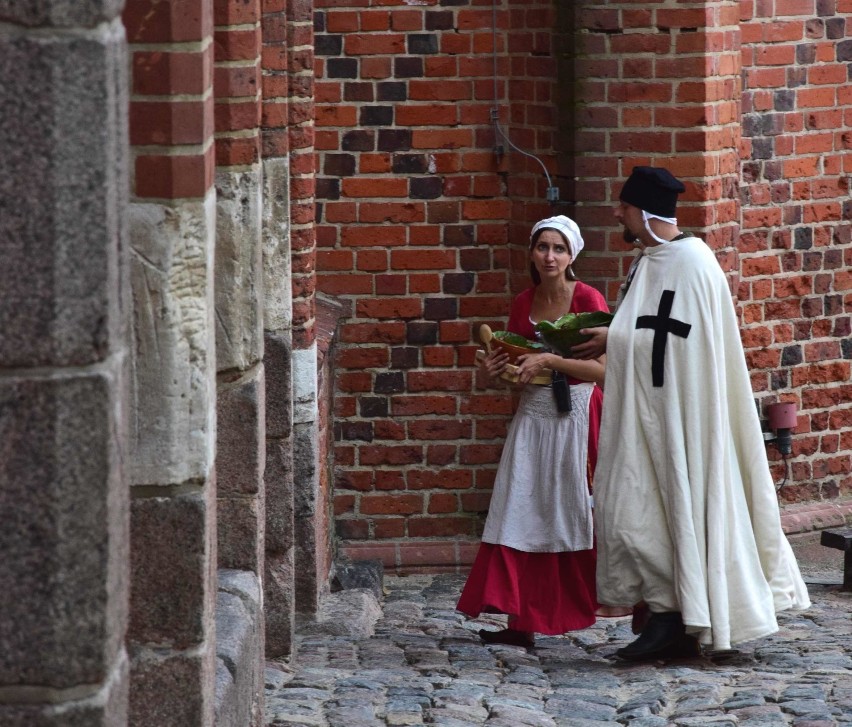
[(564, 332)]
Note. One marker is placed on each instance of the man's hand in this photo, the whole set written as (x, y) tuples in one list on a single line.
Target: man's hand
[(595, 347)]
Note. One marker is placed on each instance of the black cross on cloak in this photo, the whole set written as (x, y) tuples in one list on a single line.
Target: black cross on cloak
[(662, 324)]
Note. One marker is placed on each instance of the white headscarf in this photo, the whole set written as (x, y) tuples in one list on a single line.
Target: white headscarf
[(568, 229)]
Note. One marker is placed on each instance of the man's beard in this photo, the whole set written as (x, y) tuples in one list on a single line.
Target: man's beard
[(629, 237)]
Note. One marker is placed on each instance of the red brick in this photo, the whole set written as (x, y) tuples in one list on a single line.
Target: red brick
[(171, 123), (389, 528), (389, 308), (342, 21), (373, 236), (421, 527), (375, 20), (374, 187), (174, 177), (372, 260), (439, 356), (441, 139), (237, 45), (427, 115), (424, 283), (171, 72), (340, 212), (354, 382), (442, 502), (407, 20), (240, 151), (335, 115), (344, 504), (335, 260), (397, 212), (375, 68), (345, 284), (384, 429), (423, 259), (237, 116), (374, 164), (419, 405), (236, 81), (237, 12), (373, 44), (439, 429), (443, 479), (151, 21), (440, 454), (440, 381), (390, 454), (363, 358), (397, 504), (393, 332)]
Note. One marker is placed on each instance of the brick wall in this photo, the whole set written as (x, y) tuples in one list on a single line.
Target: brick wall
[(795, 252), (421, 227)]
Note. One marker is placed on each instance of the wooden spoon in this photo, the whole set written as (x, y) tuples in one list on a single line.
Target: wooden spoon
[(485, 335)]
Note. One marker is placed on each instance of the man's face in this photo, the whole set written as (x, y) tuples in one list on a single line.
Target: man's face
[(631, 218)]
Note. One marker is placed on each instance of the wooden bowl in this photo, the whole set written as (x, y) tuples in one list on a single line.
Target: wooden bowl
[(513, 351), (510, 348)]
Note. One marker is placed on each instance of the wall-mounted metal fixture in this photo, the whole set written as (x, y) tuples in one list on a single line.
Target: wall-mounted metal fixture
[(782, 421)]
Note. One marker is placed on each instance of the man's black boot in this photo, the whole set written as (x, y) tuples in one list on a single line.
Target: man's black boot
[(663, 636)]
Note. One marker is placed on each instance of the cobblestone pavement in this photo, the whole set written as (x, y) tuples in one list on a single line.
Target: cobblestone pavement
[(426, 665)]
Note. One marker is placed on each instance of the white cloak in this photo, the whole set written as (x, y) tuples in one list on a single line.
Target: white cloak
[(686, 512)]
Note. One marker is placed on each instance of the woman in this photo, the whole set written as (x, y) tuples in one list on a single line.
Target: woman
[(536, 562)]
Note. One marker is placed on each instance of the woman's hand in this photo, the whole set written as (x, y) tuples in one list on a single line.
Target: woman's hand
[(532, 364), (494, 363)]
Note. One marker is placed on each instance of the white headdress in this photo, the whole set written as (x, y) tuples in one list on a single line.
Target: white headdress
[(566, 227)]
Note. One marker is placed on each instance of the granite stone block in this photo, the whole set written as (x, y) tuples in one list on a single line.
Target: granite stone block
[(60, 13), (172, 562), (172, 689), (278, 367), (61, 193), (63, 506), (240, 436), (240, 531), (106, 707)]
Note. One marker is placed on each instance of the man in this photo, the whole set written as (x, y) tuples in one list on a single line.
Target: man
[(686, 512)]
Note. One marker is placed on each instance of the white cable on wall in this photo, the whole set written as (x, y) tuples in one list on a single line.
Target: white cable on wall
[(552, 191)]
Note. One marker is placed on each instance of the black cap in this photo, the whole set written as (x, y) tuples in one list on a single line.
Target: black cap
[(652, 189)]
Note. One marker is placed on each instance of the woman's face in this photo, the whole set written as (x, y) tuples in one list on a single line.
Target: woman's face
[(550, 255)]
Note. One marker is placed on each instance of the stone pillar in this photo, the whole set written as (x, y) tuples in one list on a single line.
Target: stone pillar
[(279, 582), (173, 495), (63, 358)]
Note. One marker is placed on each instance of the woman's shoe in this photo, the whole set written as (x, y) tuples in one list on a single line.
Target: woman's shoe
[(508, 636)]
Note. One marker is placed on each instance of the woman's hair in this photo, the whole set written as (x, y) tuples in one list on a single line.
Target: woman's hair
[(536, 278)]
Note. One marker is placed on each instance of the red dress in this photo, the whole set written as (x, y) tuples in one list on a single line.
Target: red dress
[(547, 593)]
